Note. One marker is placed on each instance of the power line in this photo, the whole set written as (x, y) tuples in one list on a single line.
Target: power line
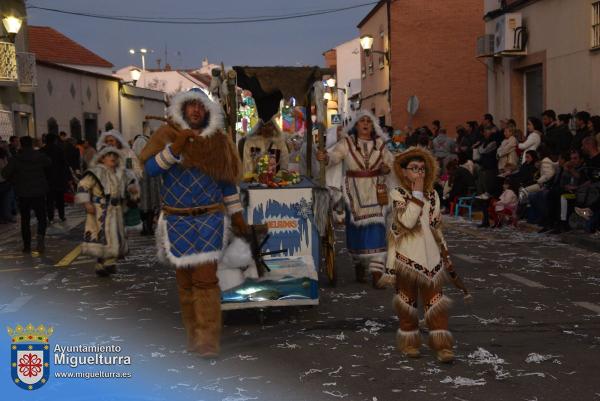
[(206, 21)]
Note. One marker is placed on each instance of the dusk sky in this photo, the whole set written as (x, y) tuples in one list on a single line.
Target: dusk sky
[(290, 42)]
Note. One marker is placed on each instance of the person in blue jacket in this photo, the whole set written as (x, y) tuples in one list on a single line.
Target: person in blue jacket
[(200, 168)]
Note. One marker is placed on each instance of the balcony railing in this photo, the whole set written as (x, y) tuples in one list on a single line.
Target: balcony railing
[(26, 71), (8, 63)]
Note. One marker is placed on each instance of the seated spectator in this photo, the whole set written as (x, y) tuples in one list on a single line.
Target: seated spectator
[(525, 175), (534, 136), (588, 195), (545, 171), (562, 194), (462, 180), (543, 211), (506, 205), (443, 148)]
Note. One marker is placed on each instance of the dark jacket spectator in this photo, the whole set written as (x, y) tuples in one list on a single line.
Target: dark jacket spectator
[(59, 174), (27, 173), (558, 138)]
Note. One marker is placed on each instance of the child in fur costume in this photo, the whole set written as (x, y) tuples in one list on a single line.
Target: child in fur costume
[(104, 190), (265, 138), (200, 169), (417, 255)]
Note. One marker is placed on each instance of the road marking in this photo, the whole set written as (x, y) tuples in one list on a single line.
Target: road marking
[(16, 304), (589, 305), (18, 269), (467, 258), (46, 279), (523, 280), (69, 257)]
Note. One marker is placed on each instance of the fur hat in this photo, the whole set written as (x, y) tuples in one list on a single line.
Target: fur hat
[(360, 114), (215, 113), (115, 134), (106, 150), (431, 166)]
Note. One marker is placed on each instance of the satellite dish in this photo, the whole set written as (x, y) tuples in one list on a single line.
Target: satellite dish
[(413, 105)]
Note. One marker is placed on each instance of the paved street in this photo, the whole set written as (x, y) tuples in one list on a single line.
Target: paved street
[(533, 332)]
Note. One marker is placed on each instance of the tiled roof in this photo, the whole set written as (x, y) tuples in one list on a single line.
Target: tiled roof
[(54, 47)]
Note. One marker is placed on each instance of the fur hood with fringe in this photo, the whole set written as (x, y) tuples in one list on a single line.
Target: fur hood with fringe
[(431, 166), (213, 151)]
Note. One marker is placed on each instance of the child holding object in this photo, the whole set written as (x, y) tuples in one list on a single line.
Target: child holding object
[(104, 190)]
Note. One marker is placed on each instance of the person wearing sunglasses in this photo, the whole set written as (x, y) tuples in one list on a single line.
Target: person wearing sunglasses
[(417, 255)]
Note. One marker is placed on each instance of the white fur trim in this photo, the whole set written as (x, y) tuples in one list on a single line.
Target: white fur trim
[(237, 254), (114, 133), (82, 197), (166, 256), (215, 122), (362, 113), (108, 149)]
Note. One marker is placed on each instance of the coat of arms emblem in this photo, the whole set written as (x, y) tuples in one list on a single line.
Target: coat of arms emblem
[(30, 355)]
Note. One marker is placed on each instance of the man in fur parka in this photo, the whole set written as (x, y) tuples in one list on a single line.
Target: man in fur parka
[(418, 255), (200, 168), (105, 190)]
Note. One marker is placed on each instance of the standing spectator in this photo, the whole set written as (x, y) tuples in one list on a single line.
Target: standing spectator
[(594, 127), (582, 119), (557, 138), (507, 152), (6, 193), (13, 145), (88, 154), (58, 177), (436, 128), (489, 164), (534, 136), (488, 123), (71, 153), (26, 172)]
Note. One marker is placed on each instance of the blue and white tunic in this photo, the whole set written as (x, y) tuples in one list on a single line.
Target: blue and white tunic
[(187, 241)]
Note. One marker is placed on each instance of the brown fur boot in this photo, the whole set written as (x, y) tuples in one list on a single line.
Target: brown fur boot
[(207, 329), (186, 301)]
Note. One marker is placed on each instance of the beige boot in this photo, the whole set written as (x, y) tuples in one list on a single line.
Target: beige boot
[(441, 342), (408, 342), (207, 328)]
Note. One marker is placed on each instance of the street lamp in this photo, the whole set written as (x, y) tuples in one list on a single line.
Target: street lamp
[(330, 82), (143, 52), (366, 42), (327, 96), (12, 25)]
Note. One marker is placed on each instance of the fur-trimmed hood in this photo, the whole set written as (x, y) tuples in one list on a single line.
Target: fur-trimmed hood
[(215, 113), (105, 150), (430, 164), (115, 134), (360, 114)]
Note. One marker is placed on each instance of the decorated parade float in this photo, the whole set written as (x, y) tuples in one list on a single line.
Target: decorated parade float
[(275, 195)]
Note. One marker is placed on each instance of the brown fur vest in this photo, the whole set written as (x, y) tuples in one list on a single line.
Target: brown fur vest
[(215, 155)]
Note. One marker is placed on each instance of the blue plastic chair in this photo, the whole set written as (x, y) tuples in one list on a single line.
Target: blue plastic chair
[(464, 202)]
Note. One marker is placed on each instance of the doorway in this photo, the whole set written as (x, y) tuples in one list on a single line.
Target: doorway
[(90, 126), (534, 92)]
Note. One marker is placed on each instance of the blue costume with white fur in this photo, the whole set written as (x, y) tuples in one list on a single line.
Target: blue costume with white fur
[(185, 240)]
